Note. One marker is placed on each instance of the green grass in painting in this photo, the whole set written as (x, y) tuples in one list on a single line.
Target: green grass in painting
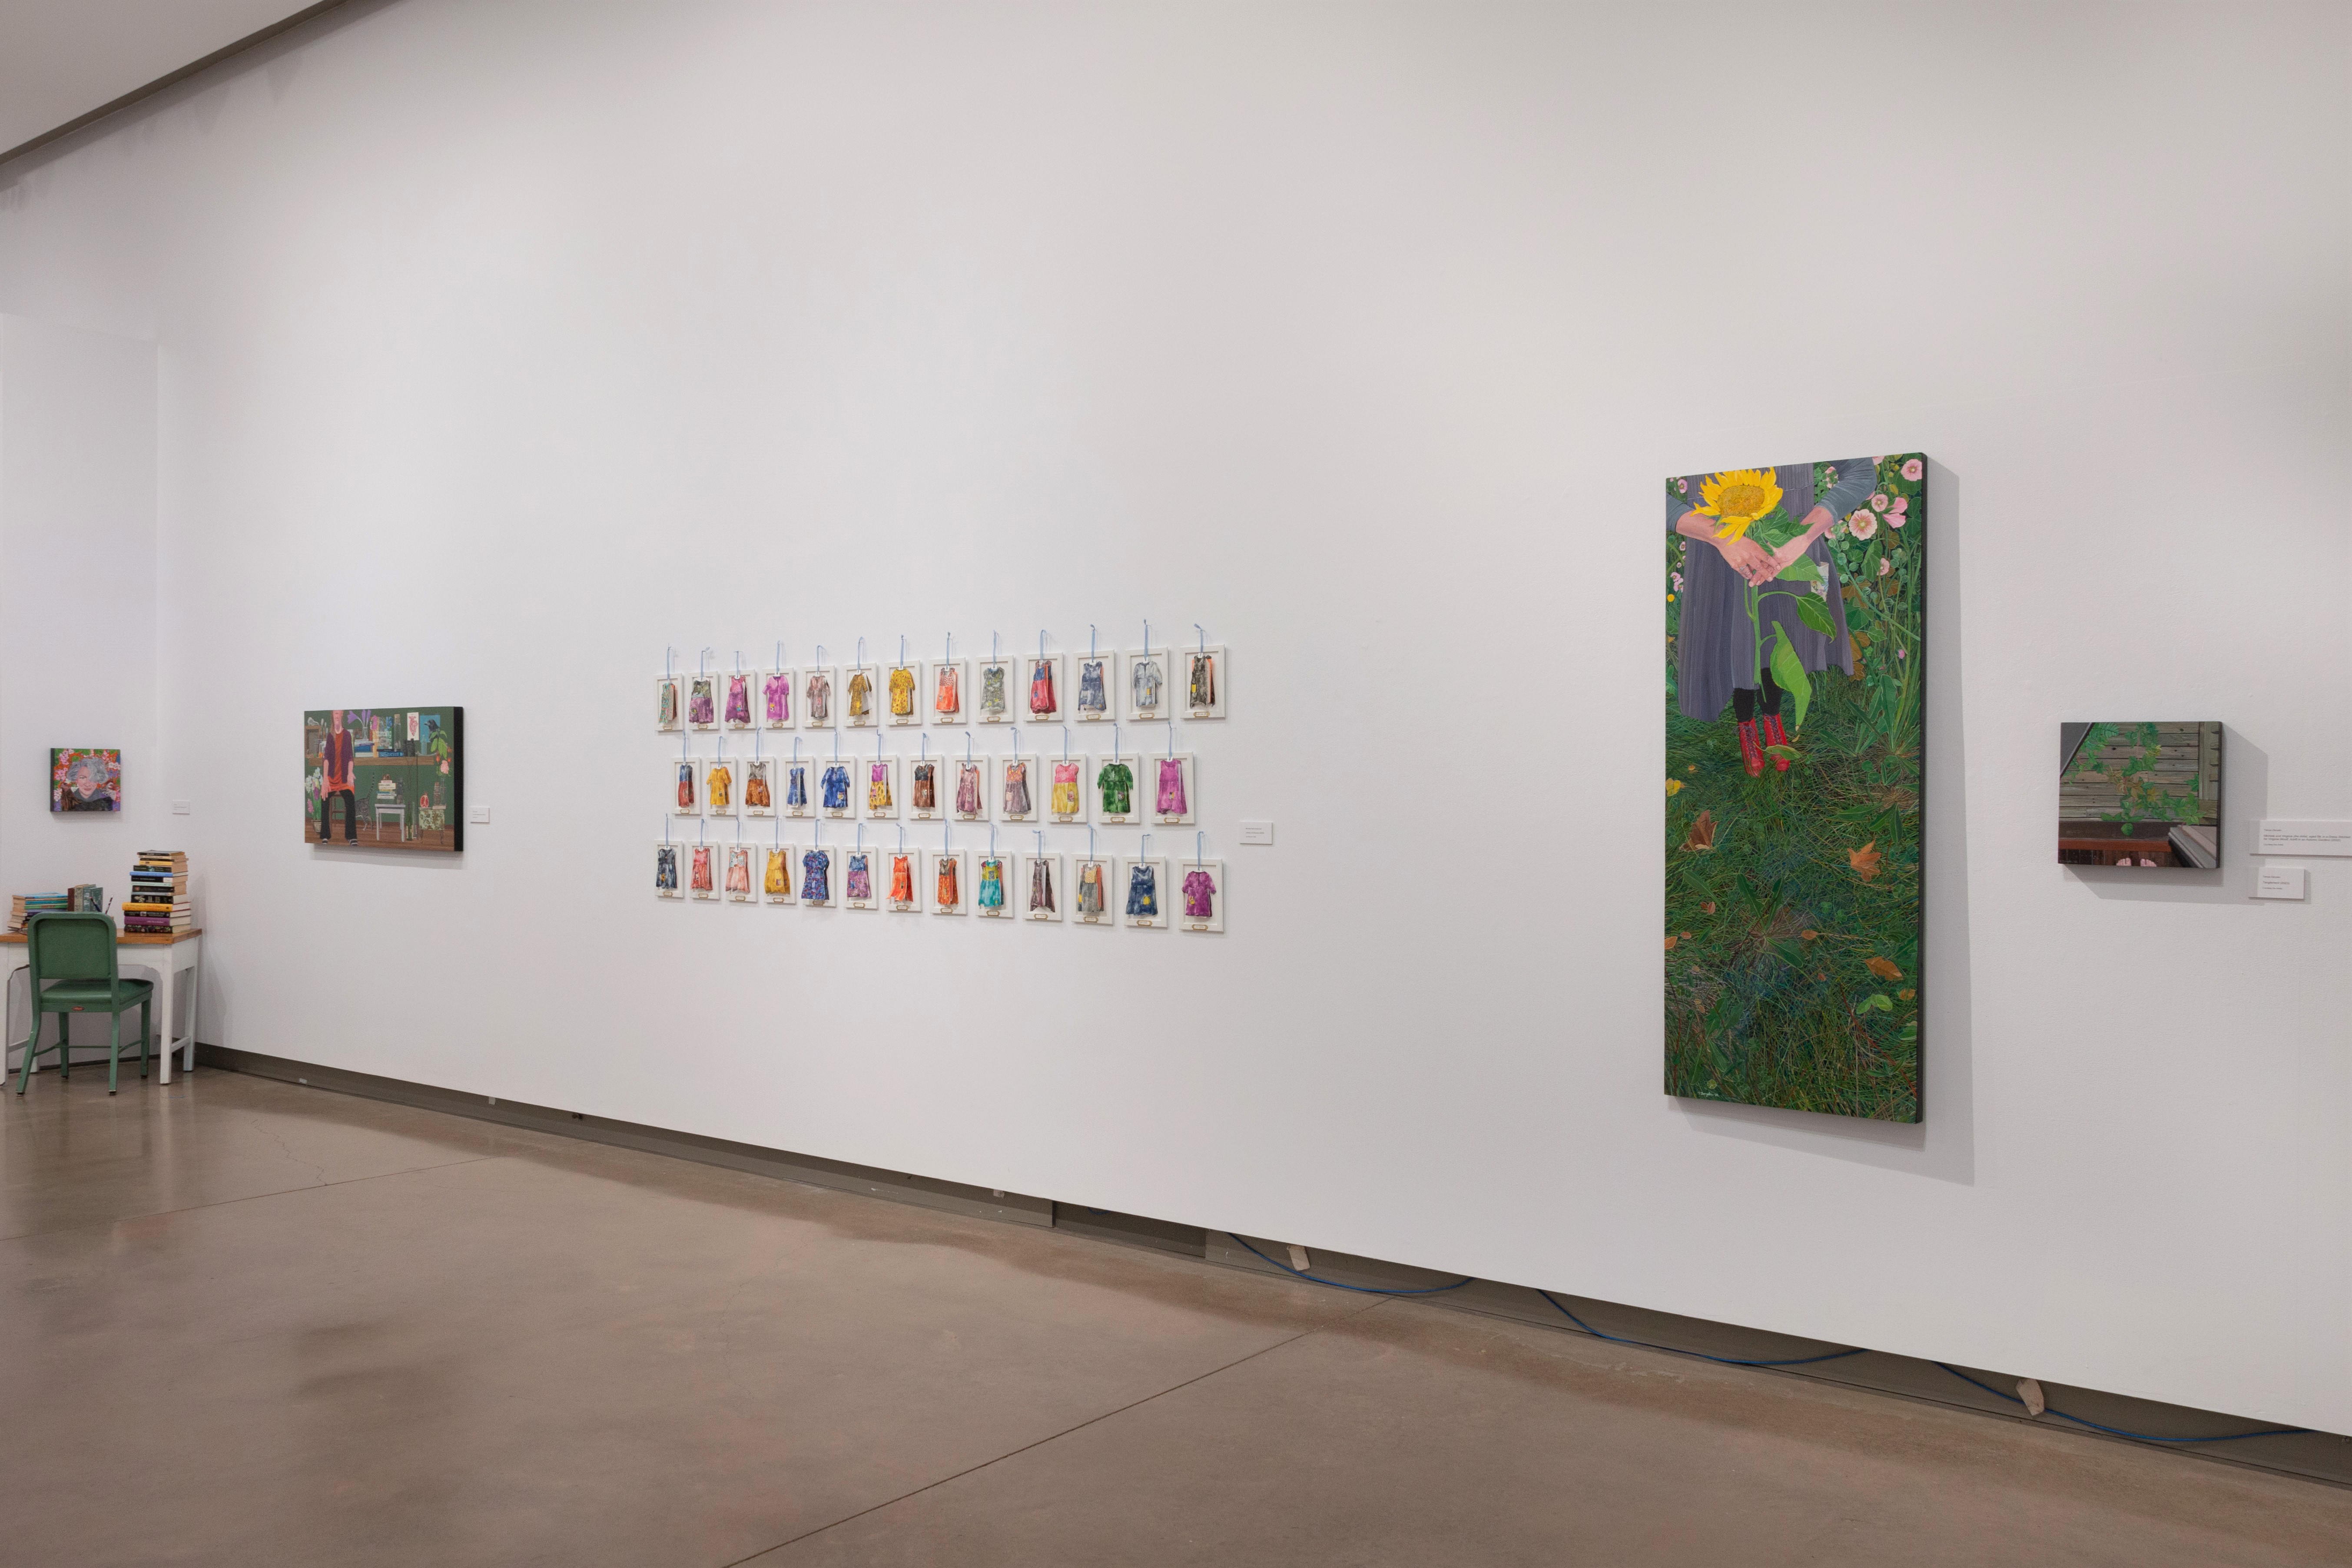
[(1792, 979)]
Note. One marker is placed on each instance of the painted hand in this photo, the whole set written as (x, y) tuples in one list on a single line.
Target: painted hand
[(1748, 558)]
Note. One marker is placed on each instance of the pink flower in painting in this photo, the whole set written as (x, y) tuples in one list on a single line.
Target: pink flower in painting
[(1678, 582), (1682, 487), (1913, 470), (1862, 524), (1899, 651), (1895, 519), (1900, 505), (1884, 566), (1878, 501)]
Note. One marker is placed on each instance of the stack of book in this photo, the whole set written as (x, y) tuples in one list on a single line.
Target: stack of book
[(158, 903), (86, 896), (26, 905)]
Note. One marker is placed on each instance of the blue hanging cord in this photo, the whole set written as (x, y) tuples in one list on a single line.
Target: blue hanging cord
[(1358, 1289), (2119, 1432), (1701, 1355), (1204, 637)]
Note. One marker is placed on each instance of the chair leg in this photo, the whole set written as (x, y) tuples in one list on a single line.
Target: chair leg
[(32, 1045), (113, 1049), (64, 1047), (146, 1028)]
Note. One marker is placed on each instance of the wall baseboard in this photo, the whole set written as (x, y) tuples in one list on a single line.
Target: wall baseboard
[(2314, 1455)]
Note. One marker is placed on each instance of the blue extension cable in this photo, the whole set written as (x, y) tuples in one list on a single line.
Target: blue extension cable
[(2119, 1432), (1792, 1361)]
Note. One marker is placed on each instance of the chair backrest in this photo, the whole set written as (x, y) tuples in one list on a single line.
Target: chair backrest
[(70, 947)]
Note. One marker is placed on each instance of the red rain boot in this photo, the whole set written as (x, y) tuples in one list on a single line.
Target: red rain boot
[(1775, 736), (1750, 753)]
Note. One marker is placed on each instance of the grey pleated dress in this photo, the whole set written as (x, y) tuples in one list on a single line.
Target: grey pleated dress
[(1716, 646)]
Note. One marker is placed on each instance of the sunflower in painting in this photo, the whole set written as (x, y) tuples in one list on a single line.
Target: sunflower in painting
[(1737, 498)]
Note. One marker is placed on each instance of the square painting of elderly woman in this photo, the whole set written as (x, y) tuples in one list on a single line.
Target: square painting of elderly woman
[(1796, 599)]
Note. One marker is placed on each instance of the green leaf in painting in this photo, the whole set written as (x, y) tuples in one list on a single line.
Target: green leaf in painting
[(1816, 615), (1801, 569), (1786, 754), (1880, 1002), (1789, 671)]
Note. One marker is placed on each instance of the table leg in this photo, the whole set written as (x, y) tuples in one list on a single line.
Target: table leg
[(195, 1000), (163, 1006)]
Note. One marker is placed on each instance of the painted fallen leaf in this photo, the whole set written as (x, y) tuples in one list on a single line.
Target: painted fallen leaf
[(1692, 769), (1674, 786), (1864, 860), (1706, 909), (1702, 832), (1906, 995), (1670, 944), (1883, 968), (1809, 935)]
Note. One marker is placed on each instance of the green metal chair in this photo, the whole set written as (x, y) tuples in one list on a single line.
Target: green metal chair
[(73, 971)]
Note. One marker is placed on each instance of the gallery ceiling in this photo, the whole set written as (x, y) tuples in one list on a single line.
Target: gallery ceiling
[(61, 60)]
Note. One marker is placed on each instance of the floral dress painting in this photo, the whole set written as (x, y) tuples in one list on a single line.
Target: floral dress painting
[(902, 692), (701, 872), (860, 880), (1091, 696), (861, 695), (665, 869), (779, 694), (1016, 789), (836, 788), (1116, 783), (756, 793), (878, 788), (949, 700), (1146, 681), (950, 895), (820, 697), (720, 792), (779, 880), (1171, 787), (991, 691), (739, 871), (665, 710), (817, 877), (968, 789), (1065, 789), (1143, 890), (1041, 886), (702, 702), (927, 786), (1090, 889), (796, 787), (739, 699), (1043, 701), (686, 786), (1200, 895), (991, 884), (902, 879)]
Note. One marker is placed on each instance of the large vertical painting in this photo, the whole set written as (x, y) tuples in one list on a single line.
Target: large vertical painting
[(384, 778), (1796, 686)]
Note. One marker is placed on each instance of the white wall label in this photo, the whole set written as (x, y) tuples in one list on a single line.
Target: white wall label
[(2304, 839), (179, 808), (2279, 882), (1257, 832), (477, 813)]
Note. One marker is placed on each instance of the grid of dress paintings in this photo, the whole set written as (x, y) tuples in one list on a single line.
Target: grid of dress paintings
[(1143, 686), (1142, 891), (751, 776)]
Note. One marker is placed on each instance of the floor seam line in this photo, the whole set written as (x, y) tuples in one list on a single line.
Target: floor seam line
[(1050, 1438), (249, 1197)]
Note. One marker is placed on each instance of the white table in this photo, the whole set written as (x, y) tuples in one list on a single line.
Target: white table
[(162, 956)]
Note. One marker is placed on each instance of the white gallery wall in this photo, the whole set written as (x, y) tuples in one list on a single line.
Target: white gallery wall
[(504, 346)]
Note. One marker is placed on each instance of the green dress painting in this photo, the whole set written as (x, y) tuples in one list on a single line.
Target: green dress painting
[(1796, 600)]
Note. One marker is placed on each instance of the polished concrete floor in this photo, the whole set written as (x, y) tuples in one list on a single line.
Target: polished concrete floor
[(248, 1323)]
